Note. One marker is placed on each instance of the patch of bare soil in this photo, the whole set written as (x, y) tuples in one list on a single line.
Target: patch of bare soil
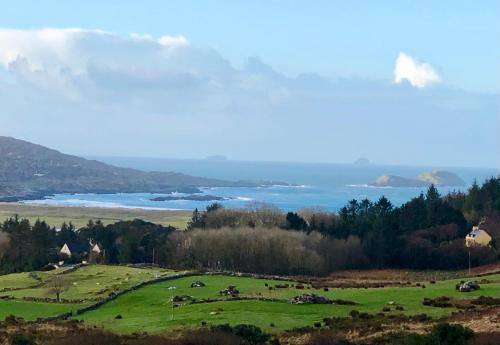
[(485, 320)]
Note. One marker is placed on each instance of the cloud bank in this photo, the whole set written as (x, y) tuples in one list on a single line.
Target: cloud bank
[(96, 92), (419, 74)]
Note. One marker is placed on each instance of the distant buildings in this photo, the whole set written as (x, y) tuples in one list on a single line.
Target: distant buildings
[(71, 250), (477, 237)]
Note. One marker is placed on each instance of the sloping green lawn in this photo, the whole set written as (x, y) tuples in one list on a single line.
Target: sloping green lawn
[(32, 310), (88, 282), (150, 309)]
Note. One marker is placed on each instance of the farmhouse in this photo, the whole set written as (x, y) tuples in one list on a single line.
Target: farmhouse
[(71, 250), (477, 237)]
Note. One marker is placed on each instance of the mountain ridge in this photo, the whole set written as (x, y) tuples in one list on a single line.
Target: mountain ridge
[(32, 171)]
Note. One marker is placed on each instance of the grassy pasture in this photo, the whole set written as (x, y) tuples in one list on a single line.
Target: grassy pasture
[(150, 309), (89, 282), (79, 216), (32, 310)]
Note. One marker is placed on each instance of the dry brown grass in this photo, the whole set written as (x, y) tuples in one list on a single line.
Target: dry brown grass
[(79, 216)]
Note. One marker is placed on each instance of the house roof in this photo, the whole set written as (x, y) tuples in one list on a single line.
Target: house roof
[(76, 248), (476, 231)]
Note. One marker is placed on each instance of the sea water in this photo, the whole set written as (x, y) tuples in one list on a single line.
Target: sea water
[(320, 186)]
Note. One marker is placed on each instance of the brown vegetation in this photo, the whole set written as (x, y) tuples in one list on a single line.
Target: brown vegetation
[(264, 250)]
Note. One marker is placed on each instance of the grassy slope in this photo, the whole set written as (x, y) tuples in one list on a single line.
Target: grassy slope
[(92, 282), (31, 310), (79, 216), (149, 309)]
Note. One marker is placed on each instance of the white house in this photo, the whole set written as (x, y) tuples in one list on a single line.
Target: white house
[(477, 237)]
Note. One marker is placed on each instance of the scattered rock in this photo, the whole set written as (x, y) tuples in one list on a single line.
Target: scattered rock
[(197, 284), (182, 298), (231, 290), (469, 286), (309, 299)]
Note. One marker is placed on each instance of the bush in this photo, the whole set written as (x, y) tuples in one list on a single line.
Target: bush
[(21, 339), (446, 334), (251, 333)]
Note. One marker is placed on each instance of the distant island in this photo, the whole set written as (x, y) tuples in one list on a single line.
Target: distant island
[(192, 197), (362, 161), (29, 171), (440, 178), (216, 158)]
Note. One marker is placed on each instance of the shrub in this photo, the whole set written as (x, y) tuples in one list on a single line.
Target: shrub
[(21, 339), (251, 333), (446, 334), (354, 313)]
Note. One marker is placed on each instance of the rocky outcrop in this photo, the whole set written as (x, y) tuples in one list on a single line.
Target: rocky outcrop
[(439, 178)]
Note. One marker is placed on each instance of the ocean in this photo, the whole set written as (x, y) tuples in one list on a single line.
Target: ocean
[(316, 185)]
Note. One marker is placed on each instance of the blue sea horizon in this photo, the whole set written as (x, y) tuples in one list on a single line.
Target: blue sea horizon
[(315, 185)]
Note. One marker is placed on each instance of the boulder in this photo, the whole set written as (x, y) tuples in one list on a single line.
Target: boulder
[(469, 286), (231, 290), (197, 283), (309, 299)]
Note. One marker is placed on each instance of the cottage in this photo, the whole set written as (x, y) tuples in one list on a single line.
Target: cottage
[(96, 249), (77, 252), (70, 250), (477, 237)]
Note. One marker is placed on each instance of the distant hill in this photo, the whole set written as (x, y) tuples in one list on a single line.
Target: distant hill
[(30, 171), (438, 177)]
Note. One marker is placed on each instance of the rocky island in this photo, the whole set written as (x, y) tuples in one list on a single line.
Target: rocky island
[(440, 178), (193, 197)]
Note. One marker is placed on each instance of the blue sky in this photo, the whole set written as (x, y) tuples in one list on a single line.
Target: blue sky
[(333, 38), (398, 82)]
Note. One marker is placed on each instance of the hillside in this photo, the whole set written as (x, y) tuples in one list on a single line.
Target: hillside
[(30, 171)]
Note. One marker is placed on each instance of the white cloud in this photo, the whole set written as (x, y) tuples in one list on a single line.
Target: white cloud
[(419, 74), (162, 96)]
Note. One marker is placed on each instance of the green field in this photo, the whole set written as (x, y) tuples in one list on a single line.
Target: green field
[(79, 216), (150, 308), (87, 284)]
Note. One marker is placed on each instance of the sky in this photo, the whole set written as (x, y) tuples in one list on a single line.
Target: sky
[(398, 82)]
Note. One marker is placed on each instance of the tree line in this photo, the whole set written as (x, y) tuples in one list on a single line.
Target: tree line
[(427, 232)]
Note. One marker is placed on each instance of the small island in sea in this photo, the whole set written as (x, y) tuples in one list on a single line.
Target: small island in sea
[(192, 197), (440, 178)]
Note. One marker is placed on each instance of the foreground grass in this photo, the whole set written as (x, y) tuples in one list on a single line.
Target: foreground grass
[(79, 216), (150, 309)]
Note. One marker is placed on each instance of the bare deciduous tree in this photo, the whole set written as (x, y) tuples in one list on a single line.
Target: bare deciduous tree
[(57, 285)]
